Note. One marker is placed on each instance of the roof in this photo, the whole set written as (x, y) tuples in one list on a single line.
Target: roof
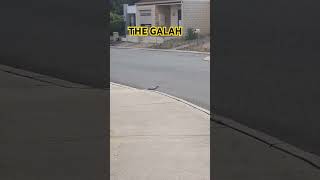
[(143, 1)]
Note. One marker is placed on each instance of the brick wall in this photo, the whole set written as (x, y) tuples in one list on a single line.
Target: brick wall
[(196, 14)]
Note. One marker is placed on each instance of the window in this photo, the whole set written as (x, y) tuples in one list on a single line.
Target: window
[(145, 12), (145, 17)]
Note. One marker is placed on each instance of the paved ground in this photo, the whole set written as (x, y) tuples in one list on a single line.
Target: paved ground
[(184, 75), (156, 137), (152, 134), (51, 130)]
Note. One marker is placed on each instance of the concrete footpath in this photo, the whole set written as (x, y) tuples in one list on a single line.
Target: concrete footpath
[(156, 137)]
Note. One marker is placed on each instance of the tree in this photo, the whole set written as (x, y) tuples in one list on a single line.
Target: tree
[(117, 5), (117, 23)]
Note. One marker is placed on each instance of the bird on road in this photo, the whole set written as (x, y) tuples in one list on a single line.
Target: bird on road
[(153, 88)]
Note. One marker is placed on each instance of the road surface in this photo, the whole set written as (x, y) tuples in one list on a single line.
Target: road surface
[(184, 75)]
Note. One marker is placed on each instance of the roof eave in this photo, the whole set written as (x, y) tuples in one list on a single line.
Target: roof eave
[(158, 3)]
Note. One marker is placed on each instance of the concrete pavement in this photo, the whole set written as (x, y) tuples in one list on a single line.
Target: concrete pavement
[(156, 137)]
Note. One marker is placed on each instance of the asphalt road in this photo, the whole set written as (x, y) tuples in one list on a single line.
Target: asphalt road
[(184, 75)]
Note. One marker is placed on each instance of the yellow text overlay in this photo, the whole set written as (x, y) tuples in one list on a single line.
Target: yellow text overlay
[(155, 31)]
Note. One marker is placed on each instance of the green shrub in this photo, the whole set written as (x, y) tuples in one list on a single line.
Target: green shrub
[(191, 34), (117, 24)]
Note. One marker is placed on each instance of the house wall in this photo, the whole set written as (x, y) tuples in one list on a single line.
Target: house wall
[(163, 10), (196, 14), (131, 9), (174, 14), (157, 12), (146, 7)]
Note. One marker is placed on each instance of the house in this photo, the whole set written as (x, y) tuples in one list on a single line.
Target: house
[(193, 14), (129, 14)]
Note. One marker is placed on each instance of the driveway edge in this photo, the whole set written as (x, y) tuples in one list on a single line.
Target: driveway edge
[(163, 50), (167, 95)]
